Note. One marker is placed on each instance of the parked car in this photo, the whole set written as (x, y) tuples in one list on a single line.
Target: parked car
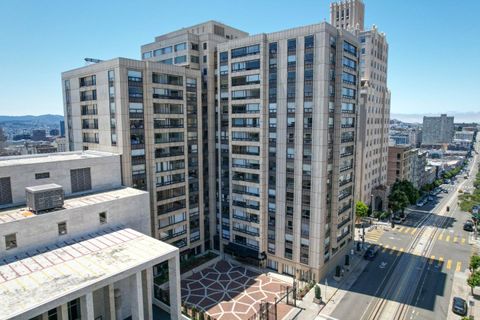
[(468, 226), (445, 191), (371, 253), (459, 306), (430, 198)]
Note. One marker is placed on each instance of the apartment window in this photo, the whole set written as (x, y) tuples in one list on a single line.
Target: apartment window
[(195, 46), (161, 51), (194, 59), (10, 241), (204, 46), (245, 51), (5, 191), (166, 61), (246, 65), (292, 44), (350, 48), (147, 55), (62, 228), (164, 78), (180, 59), (80, 179), (181, 46), (42, 175), (349, 63), (204, 59), (102, 217), (134, 76), (309, 42), (88, 81)]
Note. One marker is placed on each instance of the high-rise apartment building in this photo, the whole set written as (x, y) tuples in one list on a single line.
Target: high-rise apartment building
[(289, 98), (195, 48), (246, 143), (150, 114), (374, 104), (437, 130)]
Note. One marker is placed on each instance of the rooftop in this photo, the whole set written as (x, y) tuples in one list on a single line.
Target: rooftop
[(68, 268), (52, 157), (18, 213)]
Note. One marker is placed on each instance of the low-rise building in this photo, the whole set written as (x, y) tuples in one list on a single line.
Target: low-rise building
[(400, 163), (75, 243)]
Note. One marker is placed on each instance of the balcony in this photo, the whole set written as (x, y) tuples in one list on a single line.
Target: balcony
[(340, 238), (345, 140), (344, 182), (172, 235), (344, 195), (345, 168), (344, 208), (245, 205), (245, 231), (348, 125), (344, 222), (248, 218)]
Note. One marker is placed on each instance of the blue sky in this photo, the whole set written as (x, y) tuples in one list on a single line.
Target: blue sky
[(434, 44)]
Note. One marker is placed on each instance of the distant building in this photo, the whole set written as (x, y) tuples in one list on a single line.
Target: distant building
[(39, 135), (61, 144), (62, 128), (89, 256), (3, 140), (464, 135), (437, 130), (44, 148), (54, 132)]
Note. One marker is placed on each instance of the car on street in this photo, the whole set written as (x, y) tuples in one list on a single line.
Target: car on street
[(468, 226), (459, 306), (430, 198), (371, 253), (445, 191)]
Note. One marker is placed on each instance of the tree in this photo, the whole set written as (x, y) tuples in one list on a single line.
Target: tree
[(474, 263), (407, 187), (318, 294), (398, 201), (474, 280), (361, 210)]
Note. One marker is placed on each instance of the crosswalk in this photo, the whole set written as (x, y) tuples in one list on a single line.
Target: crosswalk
[(374, 235), (439, 262), (406, 230), (452, 238)]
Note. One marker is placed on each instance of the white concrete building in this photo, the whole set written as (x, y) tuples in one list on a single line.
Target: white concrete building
[(91, 256)]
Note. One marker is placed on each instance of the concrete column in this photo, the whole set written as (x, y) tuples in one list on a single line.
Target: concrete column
[(86, 306), (174, 284), (147, 279), (137, 296), (110, 306), (63, 312)]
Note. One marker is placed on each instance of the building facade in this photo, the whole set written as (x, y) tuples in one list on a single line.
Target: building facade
[(373, 109), (150, 114), (437, 130), (289, 98), (401, 162), (195, 48), (89, 256)]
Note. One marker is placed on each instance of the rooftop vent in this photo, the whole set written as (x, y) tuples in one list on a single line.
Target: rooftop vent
[(44, 197)]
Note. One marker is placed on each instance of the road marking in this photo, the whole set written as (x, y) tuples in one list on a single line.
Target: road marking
[(459, 265), (455, 239), (400, 229), (432, 258), (449, 264), (440, 236), (447, 238), (463, 240), (393, 249), (440, 261), (400, 252), (413, 230), (385, 248)]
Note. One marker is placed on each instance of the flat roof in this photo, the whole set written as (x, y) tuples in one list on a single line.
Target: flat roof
[(52, 157), (19, 213), (70, 268)]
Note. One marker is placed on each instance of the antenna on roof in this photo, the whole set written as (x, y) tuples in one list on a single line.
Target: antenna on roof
[(92, 60)]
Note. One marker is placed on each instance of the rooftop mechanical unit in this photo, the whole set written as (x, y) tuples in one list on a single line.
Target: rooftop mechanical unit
[(44, 197)]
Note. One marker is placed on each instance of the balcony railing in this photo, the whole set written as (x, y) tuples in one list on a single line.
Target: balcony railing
[(344, 195), (344, 140), (345, 168), (344, 208), (173, 235), (251, 233), (346, 154), (344, 182), (340, 238), (251, 218), (344, 222)]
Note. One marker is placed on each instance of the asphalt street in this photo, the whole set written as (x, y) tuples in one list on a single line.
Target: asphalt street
[(420, 283)]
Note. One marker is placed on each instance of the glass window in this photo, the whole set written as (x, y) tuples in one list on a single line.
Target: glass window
[(194, 59), (292, 44), (350, 48), (42, 175), (180, 46), (147, 55), (166, 61), (246, 65), (102, 217), (180, 59), (309, 42), (245, 51)]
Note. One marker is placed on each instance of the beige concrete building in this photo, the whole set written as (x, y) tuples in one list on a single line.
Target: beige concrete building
[(374, 104), (289, 98), (195, 47), (401, 161), (150, 114)]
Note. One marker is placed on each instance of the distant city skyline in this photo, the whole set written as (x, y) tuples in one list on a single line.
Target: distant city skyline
[(425, 74)]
